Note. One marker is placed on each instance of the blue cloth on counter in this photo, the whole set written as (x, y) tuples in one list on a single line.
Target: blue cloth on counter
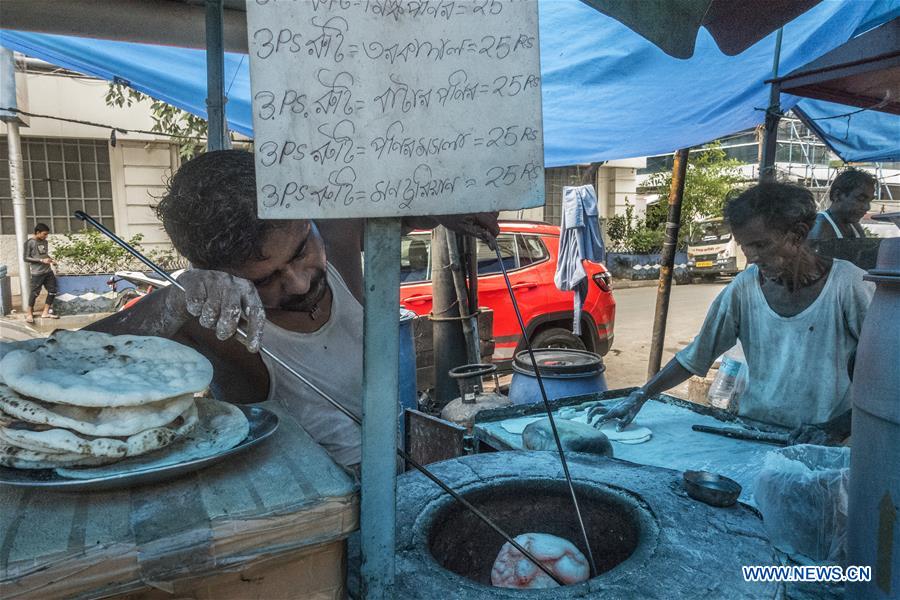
[(579, 240)]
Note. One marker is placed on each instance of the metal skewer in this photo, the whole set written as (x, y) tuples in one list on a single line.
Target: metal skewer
[(537, 374), (351, 415)]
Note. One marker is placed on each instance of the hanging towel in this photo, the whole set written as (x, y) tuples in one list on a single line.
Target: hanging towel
[(579, 240)]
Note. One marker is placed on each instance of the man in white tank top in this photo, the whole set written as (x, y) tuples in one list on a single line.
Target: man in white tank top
[(296, 285), (851, 197)]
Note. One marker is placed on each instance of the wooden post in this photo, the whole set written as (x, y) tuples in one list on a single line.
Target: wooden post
[(667, 261)]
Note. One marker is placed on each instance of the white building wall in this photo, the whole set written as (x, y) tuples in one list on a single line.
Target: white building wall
[(140, 163)]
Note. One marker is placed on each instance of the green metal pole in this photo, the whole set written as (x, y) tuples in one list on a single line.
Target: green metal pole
[(381, 356), (773, 116), (217, 133)]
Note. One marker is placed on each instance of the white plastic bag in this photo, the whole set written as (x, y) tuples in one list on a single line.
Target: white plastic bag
[(802, 494)]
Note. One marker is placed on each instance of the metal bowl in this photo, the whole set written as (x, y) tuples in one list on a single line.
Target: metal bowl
[(711, 488)]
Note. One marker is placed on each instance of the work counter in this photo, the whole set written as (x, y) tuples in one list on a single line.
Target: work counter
[(674, 445), (268, 522)]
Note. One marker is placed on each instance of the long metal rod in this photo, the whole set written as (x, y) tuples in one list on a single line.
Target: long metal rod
[(540, 380), (667, 261), (352, 416)]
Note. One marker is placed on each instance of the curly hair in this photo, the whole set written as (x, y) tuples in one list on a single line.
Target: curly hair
[(848, 180), (209, 211), (781, 206)]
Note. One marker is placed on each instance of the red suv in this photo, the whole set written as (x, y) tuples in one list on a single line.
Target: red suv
[(529, 251)]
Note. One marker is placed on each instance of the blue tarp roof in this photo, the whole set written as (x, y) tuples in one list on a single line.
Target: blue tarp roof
[(607, 92)]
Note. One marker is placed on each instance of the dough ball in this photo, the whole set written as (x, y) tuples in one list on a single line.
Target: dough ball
[(513, 570)]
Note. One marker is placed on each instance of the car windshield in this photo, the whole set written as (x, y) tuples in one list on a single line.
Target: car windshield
[(710, 232)]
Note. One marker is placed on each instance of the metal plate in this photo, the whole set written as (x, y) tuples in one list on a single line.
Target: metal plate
[(263, 424), (704, 263)]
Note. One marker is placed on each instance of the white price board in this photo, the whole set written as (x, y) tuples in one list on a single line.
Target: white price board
[(381, 108)]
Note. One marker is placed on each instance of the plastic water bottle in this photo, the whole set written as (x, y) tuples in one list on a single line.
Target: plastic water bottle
[(724, 389)]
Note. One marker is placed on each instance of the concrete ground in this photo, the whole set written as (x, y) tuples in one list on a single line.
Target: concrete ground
[(626, 363)]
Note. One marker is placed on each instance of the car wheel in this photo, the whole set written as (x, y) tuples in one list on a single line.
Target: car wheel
[(557, 337)]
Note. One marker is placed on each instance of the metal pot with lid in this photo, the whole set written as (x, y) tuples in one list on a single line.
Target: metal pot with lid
[(564, 372)]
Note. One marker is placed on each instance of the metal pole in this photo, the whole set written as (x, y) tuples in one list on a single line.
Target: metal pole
[(773, 115), (17, 189), (667, 261), (470, 325), (381, 349), (16, 171), (449, 343), (217, 133)]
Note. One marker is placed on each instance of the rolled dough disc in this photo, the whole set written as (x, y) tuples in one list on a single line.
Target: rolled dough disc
[(633, 434)]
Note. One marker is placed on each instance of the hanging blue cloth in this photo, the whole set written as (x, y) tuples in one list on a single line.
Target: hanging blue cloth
[(579, 240)]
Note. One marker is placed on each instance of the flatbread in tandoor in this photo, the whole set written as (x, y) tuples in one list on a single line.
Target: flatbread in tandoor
[(89, 368), (38, 438), (102, 422)]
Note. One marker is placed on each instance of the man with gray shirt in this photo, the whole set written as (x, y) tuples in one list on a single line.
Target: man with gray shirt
[(39, 261)]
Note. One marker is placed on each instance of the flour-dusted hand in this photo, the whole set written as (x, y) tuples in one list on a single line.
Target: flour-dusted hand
[(220, 301), (481, 225), (813, 434), (623, 412)]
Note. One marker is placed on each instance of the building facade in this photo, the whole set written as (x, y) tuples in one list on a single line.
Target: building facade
[(71, 166)]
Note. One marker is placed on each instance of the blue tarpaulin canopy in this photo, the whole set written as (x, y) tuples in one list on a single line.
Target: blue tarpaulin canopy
[(607, 92)]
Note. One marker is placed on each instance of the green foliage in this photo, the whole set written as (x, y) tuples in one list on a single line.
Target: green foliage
[(709, 179), (190, 129), (92, 252), (627, 233)]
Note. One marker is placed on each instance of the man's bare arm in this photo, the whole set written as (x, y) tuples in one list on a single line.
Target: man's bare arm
[(161, 313), (624, 412)]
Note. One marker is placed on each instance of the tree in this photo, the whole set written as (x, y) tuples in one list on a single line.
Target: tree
[(710, 178), (190, 130)]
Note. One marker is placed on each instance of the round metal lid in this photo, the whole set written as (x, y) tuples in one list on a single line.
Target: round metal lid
[(559, 361)]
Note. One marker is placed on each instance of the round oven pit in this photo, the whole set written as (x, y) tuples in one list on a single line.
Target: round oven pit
[(650, 540), (460, 542)]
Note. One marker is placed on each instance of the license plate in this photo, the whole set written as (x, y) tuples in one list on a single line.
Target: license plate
[(705, 263)]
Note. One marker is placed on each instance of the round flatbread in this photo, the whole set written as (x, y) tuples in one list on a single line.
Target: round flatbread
[(62, 441), (221, 426), (100, 422), (7, 347), (20, 458), (89, 368)]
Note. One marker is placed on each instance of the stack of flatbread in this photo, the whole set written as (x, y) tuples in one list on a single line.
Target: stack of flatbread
[(80, 398)]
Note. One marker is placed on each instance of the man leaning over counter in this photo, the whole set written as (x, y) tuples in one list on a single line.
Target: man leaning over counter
[(297, 283), (798, 317)]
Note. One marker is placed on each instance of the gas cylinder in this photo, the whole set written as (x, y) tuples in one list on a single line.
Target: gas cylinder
[(873, 537)]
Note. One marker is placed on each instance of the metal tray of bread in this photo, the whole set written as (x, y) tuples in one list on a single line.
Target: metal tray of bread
[(193, 453)]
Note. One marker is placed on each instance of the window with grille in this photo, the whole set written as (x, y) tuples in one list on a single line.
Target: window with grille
[(61, 176), (555, 179)]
